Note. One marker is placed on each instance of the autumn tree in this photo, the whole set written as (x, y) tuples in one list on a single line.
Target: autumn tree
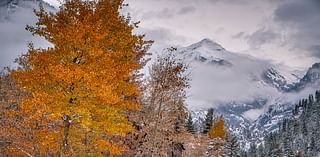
[(216, 135), (163, 111), (82, 88), (217, 130), (15, 138)]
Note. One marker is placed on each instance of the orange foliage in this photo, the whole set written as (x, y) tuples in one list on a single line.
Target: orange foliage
[(83, 86), (15, 138), (217, 130)]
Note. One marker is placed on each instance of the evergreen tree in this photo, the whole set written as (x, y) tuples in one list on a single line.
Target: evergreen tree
[(260, 151), (252, 150), (287, 150), (317, 97), (231, 146), (244, 153), (208, 121), (297, 135), (189, 125)]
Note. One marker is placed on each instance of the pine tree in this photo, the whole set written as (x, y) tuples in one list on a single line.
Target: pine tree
[(311, 99), (231, 146), (287, 150), (295, 136), (252, 150), (317, 96), (189, 125), (260, 151), (208, 121)]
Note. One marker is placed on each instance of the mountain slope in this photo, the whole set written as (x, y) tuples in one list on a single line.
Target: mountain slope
[(252, 94), (219, 75)]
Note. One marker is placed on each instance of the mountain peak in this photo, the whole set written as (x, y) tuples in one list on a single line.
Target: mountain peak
[(206, 42), (316, 66), (205, 50)]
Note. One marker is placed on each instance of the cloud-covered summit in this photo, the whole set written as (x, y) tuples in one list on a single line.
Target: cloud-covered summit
[(285, 31)]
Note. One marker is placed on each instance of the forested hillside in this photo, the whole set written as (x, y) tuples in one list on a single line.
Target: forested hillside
[(297, 135)]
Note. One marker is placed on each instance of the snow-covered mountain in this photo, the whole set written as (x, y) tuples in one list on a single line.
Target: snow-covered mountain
[(14, 16), (253, 95)]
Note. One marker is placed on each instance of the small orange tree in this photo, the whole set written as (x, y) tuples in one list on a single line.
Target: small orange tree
[(217, 130), (217, 135), (82, 88)]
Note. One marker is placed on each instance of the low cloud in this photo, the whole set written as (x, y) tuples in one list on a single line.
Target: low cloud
[(215, 85)]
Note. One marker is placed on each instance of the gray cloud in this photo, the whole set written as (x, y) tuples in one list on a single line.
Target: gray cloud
[(168, 13), (261, 37), (297, 11), (238, 35), (163, 37), (315, 50), (295, 24), (279, 30), (304, 18), (164, 14), (186, 10)]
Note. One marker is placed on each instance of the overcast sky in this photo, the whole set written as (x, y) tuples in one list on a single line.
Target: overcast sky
[(284, 31)]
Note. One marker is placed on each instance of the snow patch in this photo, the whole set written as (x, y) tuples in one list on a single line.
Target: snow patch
[(253, 114)]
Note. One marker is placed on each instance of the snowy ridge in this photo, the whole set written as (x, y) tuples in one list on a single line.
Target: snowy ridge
[(253, 95)]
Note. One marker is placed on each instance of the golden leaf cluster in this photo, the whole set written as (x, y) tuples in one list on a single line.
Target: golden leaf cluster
[(88, 76)]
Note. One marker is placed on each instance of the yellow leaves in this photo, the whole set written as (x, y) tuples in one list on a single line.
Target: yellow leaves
[(88, 75), (65, 74), (217, 130), (113, 149), (106, 94), (48, 139)]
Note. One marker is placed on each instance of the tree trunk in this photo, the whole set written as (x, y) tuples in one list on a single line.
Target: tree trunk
[(66, 126)]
